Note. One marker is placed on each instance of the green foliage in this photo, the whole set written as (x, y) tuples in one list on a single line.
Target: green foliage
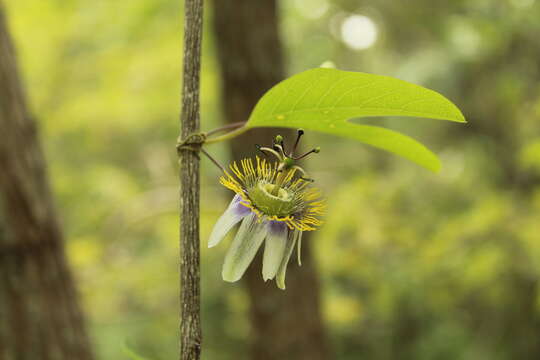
[(131, 353), (530, 155), (323, 99)]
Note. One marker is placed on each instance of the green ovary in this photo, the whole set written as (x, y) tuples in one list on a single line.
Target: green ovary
[(279, 205)]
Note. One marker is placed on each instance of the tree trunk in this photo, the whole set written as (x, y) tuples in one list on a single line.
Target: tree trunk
[(286, 324), (40, 317)]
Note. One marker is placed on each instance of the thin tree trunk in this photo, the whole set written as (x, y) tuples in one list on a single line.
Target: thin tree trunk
[(286, 324), (190, 319), (40, 317)]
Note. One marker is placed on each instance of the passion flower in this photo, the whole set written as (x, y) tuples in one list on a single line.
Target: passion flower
[(275, 202)]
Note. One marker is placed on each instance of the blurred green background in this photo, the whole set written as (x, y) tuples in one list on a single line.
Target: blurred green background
[(413, 265)]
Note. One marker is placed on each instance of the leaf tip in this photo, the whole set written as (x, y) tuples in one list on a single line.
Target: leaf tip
[(461, 117), (457, 115)]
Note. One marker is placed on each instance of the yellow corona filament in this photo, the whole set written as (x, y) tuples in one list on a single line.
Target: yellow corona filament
[(309, 199)]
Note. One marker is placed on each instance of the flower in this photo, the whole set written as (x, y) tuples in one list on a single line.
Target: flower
[(272, 203)]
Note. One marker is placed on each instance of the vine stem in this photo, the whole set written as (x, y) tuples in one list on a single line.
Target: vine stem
[(228, 136), (190, 313), (211, 158), (226, 127)]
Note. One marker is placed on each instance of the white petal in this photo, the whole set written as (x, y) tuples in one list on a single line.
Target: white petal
[(299, 249), (244, 247), (234, 213), (280, 278), (274, 249)]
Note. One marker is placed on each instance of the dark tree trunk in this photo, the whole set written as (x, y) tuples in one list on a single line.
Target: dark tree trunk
[(286, 324), (40, 317)]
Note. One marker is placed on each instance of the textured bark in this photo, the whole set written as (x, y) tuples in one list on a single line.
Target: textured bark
[(190, 319), (286, 324), (39, 313)]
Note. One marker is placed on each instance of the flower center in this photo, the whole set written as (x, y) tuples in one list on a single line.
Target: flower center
[(280, 205), (286, 161)]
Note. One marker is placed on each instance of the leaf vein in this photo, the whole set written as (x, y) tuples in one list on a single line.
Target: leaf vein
[(376, 97), (351, 90), (280, 100), (413, 101), (330, 88), (412, 113), (308, 88)]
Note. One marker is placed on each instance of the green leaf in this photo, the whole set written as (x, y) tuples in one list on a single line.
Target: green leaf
[(324, 99)]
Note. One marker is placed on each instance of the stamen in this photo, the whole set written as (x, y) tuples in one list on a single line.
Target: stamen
[(304, 176), (280, 149), (258, 147), (300, 132), (272, 151), (303, 172)]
